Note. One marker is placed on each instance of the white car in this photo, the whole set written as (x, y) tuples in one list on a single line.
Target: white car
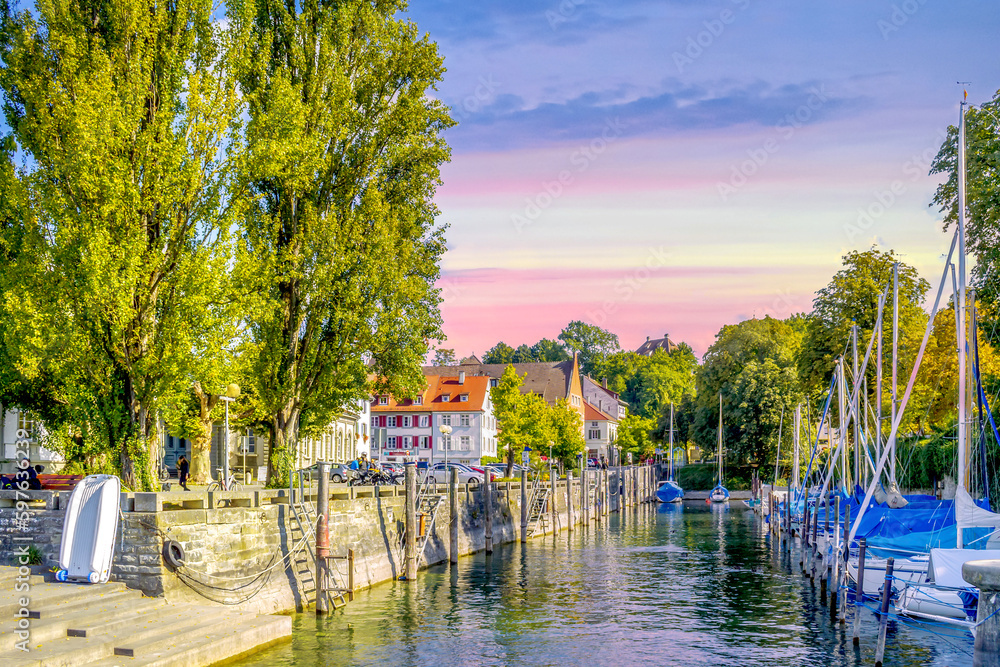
[(439, 474)]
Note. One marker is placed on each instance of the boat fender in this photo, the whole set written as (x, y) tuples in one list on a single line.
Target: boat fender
[(173, 553)]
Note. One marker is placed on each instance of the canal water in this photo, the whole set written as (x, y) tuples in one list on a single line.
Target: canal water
[(660, 585)]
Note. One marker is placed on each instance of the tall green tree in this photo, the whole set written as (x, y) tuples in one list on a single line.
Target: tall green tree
[(124, 112), (501, 353), (444, 357), (522, 419), (549, 350), (343, 152), (635, 436), (762, 392), (982, 198), (591, 342)]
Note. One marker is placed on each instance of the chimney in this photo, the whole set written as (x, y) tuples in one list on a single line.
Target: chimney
[(604, 382), (461, 377), (647, 339), (667, 336)]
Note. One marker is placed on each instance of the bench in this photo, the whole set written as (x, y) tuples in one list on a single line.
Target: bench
[(59, 482)]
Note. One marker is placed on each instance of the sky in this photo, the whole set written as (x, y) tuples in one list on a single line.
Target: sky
[(669, 167)]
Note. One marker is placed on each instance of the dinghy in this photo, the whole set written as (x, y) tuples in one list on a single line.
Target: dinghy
[(89, 530), (670, 491)]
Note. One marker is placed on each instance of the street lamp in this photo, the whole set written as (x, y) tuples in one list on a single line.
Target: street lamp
[(445, 432), (232, 392), (550, 453)]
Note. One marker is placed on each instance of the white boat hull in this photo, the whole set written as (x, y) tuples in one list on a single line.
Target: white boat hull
[(90, 528)]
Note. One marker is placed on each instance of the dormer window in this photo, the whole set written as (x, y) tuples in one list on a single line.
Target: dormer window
[(494, 382), (464, 398), (419, 400), (445, 398), (383, 400)]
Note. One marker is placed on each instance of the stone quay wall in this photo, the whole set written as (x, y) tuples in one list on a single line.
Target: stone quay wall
[(246, 548)]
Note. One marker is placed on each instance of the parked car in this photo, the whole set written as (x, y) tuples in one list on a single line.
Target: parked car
[(500, 469), (439, 473), (339, 472)]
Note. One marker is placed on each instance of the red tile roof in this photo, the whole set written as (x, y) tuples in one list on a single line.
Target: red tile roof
[(590, 413), (476, 386)]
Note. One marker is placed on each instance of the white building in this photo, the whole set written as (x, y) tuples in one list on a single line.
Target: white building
[(601, 431), (20, 426), (413, 427)]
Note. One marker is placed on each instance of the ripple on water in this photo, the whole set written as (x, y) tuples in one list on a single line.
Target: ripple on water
[(691, 586)]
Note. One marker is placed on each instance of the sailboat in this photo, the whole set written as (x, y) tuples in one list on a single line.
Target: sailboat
[(719, 494), (670, 491)]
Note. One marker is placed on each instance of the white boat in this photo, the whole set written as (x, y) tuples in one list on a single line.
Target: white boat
[(90, 528), (669, 491)]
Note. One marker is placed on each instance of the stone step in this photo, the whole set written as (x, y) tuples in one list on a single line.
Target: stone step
[(178, 635), (46, 594), (73, 605), (56, 623)]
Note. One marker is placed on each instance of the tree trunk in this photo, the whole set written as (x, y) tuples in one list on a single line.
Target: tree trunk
[(201, 453), (284, 436)]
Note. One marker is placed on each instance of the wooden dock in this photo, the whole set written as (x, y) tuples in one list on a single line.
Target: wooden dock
[(108, 624)]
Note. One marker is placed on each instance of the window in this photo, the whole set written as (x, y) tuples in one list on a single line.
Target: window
[(425, 421), (463, 420), (576, 399), (446, 420), (251, 442), (26, 423), (446, 442), (594, 424), (445, 398), (383, 400), (494, 382), (466, 445), (418, 400), (392, 441), (392, 421), (425, 442), (594, 434), (464, 398), (407, 421)]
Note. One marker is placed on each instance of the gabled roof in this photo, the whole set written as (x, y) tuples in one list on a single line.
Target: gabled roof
[(590, 413), (477, 388), (549, 379), (651, 346)]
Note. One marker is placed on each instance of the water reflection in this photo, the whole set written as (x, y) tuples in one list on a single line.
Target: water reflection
[(690, 584)]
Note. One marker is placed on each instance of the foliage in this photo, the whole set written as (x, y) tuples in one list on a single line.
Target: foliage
[(501, 353), (591, 342), (762, 392), (118, 216), (703, 477), (982, 197), (342, 155), (549, 350), (444, 357), (634, 437)]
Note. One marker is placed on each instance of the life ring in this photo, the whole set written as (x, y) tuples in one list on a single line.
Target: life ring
[(173, 553)]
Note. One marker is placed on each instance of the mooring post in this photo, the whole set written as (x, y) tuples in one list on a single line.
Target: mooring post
[(814, 545), (350, 575), (583, 496), (322, 538), (985, 575), (859, 591), (453, 516), (883, 615), (826, 518), (845, 554), (569, 500), (834, 563), (410, 553), (524, 505), (487, 492), (553, 474)]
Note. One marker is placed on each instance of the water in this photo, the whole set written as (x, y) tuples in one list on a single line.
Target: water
[(662, 585)]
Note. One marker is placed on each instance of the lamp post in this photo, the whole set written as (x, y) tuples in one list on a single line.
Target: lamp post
[(445, 442), (550, 454), (232, 392)]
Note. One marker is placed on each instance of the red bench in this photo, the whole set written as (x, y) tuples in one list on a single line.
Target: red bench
[(59, 482)]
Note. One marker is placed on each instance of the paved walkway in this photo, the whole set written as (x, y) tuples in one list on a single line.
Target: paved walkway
[(107, 624)]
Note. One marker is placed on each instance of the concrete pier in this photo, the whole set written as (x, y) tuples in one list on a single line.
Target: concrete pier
[(985, 575)]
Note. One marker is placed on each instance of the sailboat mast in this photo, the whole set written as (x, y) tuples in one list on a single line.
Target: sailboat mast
[(842, 431), (895, 362), (960, 321), (795, 448), (720, 439), (854, 401), (878, 392), (671, 442)]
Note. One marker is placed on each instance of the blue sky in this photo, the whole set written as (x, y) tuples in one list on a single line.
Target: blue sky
[(670, 167)]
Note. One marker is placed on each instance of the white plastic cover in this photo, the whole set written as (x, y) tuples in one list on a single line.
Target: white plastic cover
[(945, 567), (970, 515)]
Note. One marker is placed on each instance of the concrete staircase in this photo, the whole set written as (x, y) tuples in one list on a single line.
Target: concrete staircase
[(108, 624)]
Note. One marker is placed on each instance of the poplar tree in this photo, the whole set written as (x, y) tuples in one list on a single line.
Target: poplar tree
[(120, 112), (343, 149)]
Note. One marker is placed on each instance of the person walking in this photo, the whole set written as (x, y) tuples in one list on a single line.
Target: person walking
[(182, 471)]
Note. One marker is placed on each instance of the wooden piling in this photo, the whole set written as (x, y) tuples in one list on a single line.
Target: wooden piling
[(884, 612), (524, 505), (410, 548), (553, 473), (487, 492), (453, 516), (322, 538), (815, 515), (584, 497), (350, 575), (843, 556), (569, 500), (859, 591)]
